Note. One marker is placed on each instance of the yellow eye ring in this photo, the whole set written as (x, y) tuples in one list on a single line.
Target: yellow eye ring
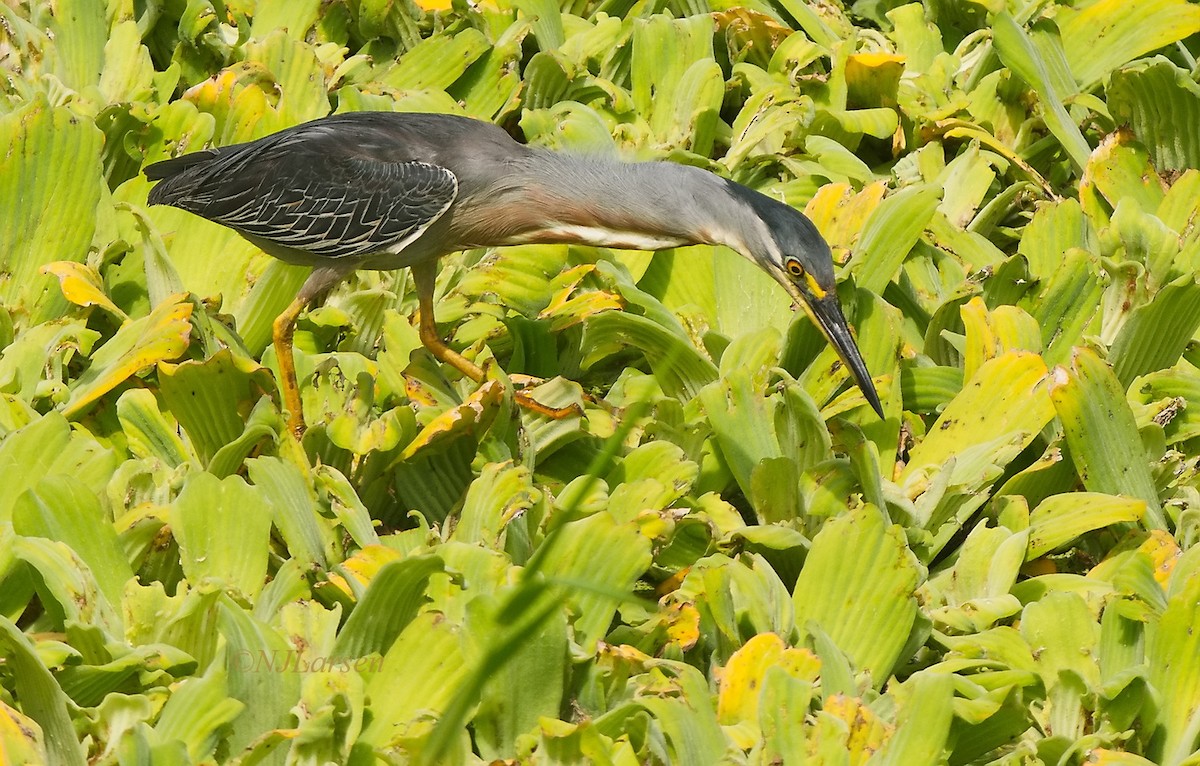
[(794, 268)]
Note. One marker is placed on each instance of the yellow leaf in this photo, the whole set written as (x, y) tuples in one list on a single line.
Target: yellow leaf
[(840, 214), (746, 28), (477, 411), (992, 333), (1164, 553), (141, 343), (742, 678), (684, 625), (1103, 757), (1006, 400), (866, 733), (873, 79), (81, 285), (362, 567), (20, 738)]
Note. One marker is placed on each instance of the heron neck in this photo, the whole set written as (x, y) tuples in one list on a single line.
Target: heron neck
[(645, 205)]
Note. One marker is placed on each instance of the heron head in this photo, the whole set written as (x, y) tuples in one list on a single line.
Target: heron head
[(799, 258)]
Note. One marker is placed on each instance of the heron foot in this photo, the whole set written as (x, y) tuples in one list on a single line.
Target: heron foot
[(554, 413)]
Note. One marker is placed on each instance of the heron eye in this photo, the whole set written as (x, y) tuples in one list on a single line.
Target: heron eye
[(794, 268)]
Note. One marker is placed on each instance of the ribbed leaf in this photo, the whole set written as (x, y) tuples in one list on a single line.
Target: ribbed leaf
[(1120, 170), (598, 559), (41, 697), (1019, 54), (436, 62), (1156, 334), (1158, 100), (46, 220), (389, 604), (222, 527), (1171, 654), (1007, 397), (527, 688), (197, 713), (923, 721), (212, 399), (63, 509), (890, 234), (1100, 430), (1067, 300), (857, 584), (680, 369), (419, 676), (46, 448), (1061, 519), (290, 494), (259, 675), (1103, 35)]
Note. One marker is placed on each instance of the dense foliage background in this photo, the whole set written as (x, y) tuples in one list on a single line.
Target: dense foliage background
[(727, 558)]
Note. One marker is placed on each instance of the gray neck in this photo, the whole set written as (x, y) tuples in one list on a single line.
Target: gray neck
[(645, 205)]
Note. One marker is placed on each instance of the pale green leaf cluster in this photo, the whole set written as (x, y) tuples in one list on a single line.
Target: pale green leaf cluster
[(721, 556)]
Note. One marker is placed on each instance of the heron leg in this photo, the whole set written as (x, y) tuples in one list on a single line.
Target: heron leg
[(424, 277), (284, 328)]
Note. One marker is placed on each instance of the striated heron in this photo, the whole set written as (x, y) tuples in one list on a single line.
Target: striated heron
[(382, 190)]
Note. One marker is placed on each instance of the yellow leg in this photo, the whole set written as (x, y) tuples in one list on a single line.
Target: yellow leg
[(284, 328), (424, 275), (282, 331)]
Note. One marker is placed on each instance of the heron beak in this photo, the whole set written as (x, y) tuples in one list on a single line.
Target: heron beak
[(828, 315)]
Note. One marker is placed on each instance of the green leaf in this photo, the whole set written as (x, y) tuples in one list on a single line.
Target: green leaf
[(46, 220), (418, 677), (527, 688), (687, 718), (436, 62), (290, 495), (1158, 100), (1103, 35), (743, 422), (1019, 54), (197, 714), (680, 369), (1061, 519), (672, 79), (1101, 432), (1174, 673), (223, 528), (41, 697), (48, 447), (890, 233), (1065, 302), (923, 720), (213, 398), (255, 657), (387, 607), (149, 432), (1156, 334), (65, 510), (857, 584), (297, 71), (597, 560)]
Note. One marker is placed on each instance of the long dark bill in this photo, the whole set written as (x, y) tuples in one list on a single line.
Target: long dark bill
[(832, 322)]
